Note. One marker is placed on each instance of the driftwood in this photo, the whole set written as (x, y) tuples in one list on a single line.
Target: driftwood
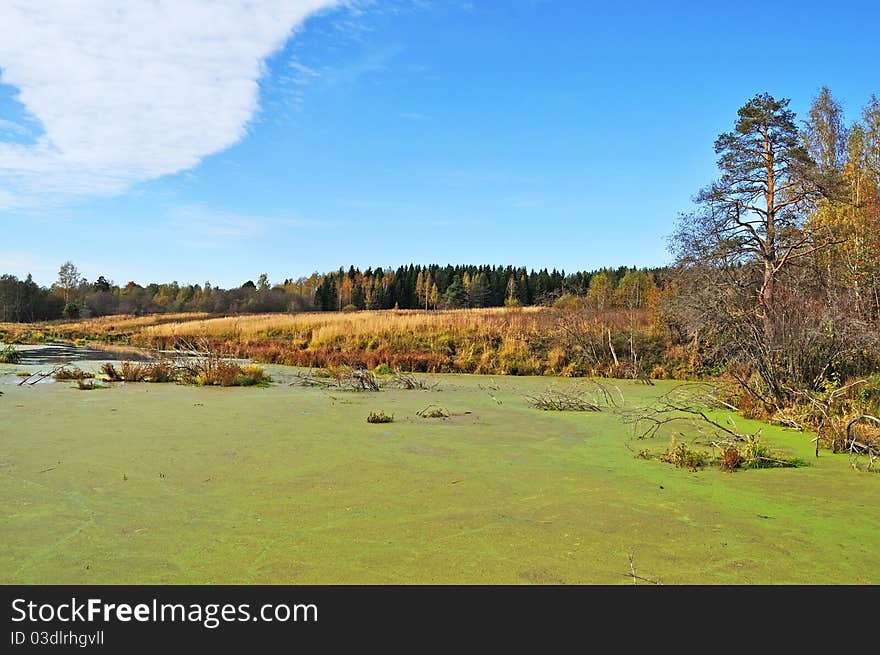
[(37, 377), (686, 402), (636, 578), (343, 379), (410, 381), (558, 401), (871, 449)]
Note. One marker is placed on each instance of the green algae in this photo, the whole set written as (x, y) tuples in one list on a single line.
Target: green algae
[(174, 484)]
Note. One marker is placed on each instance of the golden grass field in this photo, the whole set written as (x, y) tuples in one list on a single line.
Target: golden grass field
[(492, 340)]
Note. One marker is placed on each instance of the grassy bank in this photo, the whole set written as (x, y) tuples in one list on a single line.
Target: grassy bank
[(520, 341), (172, 484)]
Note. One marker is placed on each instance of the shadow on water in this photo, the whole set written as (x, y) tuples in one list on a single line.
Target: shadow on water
[(62, 353)]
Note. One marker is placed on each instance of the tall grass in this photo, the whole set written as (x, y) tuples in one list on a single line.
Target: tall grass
[(515, 341), (108, 329), (522, 341)]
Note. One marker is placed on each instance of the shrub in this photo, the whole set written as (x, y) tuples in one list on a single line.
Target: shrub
[(659, 373), (433, 411), (163, 371), (557, 358), (382, 369), (756, 455), (72, 373), (110, 371), (9, 355), (217, 372), (71, 310), (569, 301), (252, 375), (134, 372), (869, 394), (683, 456), (730, 459), (379, 417)]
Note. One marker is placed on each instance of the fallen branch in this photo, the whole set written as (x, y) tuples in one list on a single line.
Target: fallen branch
[(411, 382), (37, 377), (687, 402), (871, 449), (558, 401)]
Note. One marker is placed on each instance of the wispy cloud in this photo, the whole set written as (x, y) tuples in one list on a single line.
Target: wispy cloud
[(11, 127), (374, 61), (201, 226), (126, 92)]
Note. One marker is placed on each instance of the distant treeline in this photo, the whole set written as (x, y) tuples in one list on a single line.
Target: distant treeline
[(408, 287)]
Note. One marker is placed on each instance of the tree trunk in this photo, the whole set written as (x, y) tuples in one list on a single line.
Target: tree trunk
[(766, 301)]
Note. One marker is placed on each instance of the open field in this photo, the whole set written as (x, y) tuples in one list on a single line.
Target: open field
[(152, 483)]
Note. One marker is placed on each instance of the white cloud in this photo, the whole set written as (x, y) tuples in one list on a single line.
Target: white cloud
[(130, 91)]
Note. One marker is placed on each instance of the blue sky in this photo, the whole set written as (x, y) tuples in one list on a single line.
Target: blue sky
[(307, 135)]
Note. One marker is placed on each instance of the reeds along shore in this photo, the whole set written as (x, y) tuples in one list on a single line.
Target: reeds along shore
[(523, 341), (520, 341), (515, 341)]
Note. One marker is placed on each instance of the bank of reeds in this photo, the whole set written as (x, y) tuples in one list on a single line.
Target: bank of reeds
[(527, 341)]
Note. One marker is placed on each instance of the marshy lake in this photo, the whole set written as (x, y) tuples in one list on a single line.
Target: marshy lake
[(166, 483)]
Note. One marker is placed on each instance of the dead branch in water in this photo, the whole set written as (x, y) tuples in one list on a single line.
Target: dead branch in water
[(869, 447), (410, 381), (37, 377), (686, 402), (636, 578), (558, 401), (343, 378)]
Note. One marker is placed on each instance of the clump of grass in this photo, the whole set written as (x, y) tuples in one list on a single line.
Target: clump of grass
[(757, 455), (128, 372), (88, 385), (382, 369), (212, 373), (24, 374), (134, 372), (380, 417), (72, 373), (683, 456), (9, 355), (730, 456), (214, 370), (253, 375), (162, 371), (433, 411)]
